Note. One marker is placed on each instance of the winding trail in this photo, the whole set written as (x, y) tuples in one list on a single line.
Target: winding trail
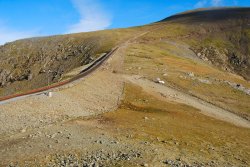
[(171, 94), (150, 87), (85, 72)]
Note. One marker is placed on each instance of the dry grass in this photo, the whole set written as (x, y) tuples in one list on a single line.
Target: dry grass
[(154, 60), (179, 128)]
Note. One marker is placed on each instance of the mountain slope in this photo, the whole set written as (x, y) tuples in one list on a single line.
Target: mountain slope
[(36, 62), (155, 102), (221, 36)]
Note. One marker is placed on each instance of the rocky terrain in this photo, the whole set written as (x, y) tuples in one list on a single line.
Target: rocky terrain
[(220, 36), (170, 95), (37, 62), (35, 59)]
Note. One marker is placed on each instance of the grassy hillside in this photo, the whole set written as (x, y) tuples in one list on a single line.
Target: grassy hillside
[(121, 115), (199, 57), (35, 62), (220, 36)]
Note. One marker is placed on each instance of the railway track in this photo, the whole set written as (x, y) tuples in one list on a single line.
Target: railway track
[(97, 63)]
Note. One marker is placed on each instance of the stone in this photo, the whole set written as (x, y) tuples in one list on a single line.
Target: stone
[(162, 82), (191, 74), (50, 94), (178, 159), (53, 136), (205, 81), (158, 80), (114, 142), (30, 77)]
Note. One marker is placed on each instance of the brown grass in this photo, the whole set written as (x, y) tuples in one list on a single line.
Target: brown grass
[(155, 60), (177, 127)]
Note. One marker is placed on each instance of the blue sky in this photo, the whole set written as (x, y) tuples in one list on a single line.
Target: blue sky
[(28, 18)]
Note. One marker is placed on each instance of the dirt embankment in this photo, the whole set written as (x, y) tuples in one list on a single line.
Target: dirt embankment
[(34, 63)]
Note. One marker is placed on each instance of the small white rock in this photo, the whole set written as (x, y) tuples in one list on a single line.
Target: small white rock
[(50, 94), (23, 130), (191, 74), (161, 82)]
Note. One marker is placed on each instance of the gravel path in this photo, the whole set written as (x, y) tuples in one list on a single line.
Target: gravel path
[(93, 95), (55, 131)]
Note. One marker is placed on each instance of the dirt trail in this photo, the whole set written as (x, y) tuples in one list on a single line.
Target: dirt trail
[(180, 97), (94, 94), (171, 94), (28, 125), (39, 128)]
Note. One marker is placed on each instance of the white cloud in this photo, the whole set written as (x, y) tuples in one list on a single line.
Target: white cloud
[(208, 3), (201, 4), (92, 17), (8, 35), (216, 2)]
